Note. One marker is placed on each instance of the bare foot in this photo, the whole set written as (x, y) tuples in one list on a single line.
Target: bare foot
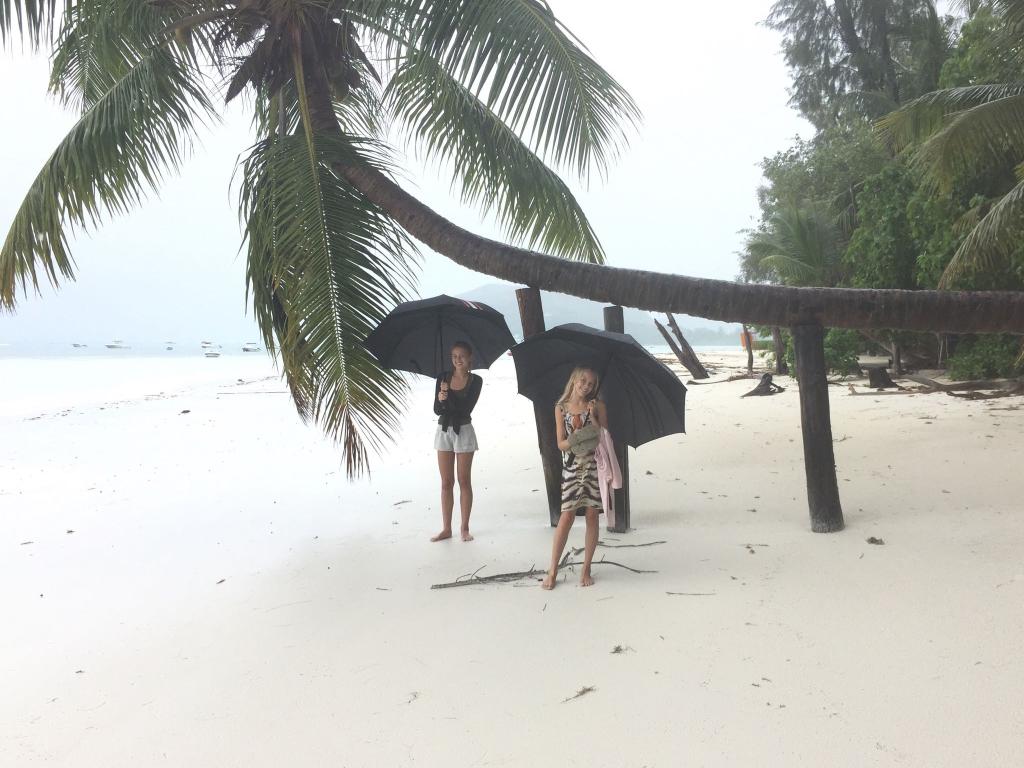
[(586, 579), (446, 534), (549, 580), (466, 535)]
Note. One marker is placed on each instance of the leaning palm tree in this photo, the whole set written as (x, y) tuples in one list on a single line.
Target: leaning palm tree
[(955, 135), (500, 94)]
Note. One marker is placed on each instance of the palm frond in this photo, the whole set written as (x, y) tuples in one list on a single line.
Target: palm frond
[(491, 164), (101, 40), (924, 116), (325, 267), (987, 137), (798, 246), (522, 63), (122, 145), (989, 246), (32, 19), (1012, 11), (792, 271)]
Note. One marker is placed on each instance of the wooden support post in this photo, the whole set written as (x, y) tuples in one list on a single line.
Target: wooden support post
[(819, 458), (531, 312), (613, 321)]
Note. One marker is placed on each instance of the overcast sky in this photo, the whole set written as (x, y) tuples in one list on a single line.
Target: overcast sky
[(712, 89)]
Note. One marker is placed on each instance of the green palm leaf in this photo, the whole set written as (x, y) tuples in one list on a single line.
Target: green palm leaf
[(494, 168), (798, 246), (990, 245), (325, 267), (523, 65), (122, 145), (921, 118), (986, 136), (99, 42), (33, 19)]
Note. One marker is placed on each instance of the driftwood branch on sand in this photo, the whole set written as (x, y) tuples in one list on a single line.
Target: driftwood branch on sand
[(971, 389), (735, 377), (471, 579)]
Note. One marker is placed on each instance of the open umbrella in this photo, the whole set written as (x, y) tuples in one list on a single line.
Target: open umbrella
[(645, 399), (417, 336)]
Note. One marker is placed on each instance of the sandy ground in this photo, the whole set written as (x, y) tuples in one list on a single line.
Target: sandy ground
[(207, 589)]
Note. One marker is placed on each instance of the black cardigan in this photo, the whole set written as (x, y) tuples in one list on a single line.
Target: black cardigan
[(456, 410)]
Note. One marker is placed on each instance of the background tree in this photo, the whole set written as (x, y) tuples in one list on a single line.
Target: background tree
[(859, 57)]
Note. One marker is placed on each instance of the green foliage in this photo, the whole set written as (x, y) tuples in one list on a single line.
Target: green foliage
[(968, 139), (842, 346), (826, 170), (986, 357), (882, 251), (796, 246), (985, 52), (859, 57)]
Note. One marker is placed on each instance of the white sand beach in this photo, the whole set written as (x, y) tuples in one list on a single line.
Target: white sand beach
[(188, 579)]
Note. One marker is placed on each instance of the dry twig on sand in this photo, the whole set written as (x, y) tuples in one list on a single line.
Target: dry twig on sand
[(470, 579), (581, 692), (622, 546), (735, 377)]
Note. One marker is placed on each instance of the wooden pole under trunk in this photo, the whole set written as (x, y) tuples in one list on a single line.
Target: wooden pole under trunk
[(531, 312), (819, 457), (613, 321)]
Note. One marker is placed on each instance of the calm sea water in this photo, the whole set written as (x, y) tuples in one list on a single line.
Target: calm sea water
[(191, 349)]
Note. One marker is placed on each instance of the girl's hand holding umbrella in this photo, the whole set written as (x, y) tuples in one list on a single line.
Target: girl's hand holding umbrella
[(442, 394)]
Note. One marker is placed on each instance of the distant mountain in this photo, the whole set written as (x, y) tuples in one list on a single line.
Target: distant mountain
[(560, 308)]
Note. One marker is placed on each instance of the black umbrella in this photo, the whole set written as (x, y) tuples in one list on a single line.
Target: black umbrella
[(417, 336), (645, 399)]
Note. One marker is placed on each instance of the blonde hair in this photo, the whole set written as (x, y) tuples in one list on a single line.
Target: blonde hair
[(573, 378)]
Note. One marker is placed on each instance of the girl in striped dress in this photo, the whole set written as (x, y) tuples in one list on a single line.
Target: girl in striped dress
[(576, 409)]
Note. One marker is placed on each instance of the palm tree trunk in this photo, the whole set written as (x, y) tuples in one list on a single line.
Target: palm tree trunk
[(748, 342), (952, 311), (781, 367), (683, 351)]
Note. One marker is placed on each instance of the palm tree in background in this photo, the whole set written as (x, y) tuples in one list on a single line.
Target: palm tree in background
[(797, 246), (500, 93), (958, 135)]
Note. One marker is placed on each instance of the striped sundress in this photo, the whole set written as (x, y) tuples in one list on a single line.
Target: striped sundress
[(580, 488)]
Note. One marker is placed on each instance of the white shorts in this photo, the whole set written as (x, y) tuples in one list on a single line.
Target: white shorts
[(447, 440)]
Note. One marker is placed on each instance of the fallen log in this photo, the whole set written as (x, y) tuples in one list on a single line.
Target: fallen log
[(694, 366), (957, 386)]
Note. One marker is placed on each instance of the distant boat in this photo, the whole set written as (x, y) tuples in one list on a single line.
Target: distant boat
[(78, 346), (117, 344), (250, 346), (206, 344), (211, 352)]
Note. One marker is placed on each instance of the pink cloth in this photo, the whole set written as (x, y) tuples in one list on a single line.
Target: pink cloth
[(609, 475)]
